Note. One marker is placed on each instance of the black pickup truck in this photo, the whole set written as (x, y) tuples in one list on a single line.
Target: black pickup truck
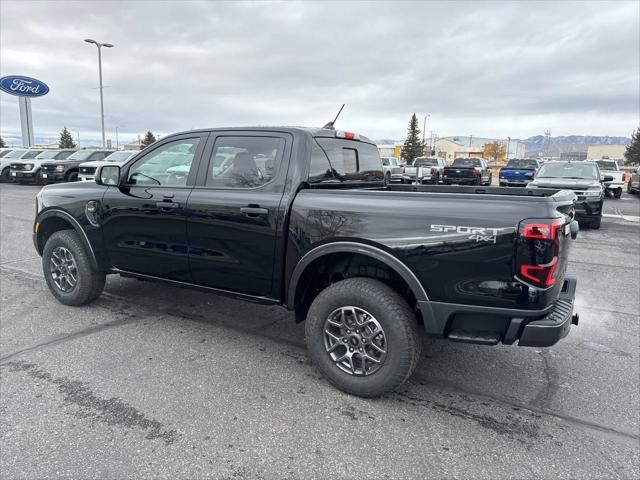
[(467, 171), (302, 218)]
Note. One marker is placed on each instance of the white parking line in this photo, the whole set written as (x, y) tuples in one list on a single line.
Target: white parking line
[(628, 218)]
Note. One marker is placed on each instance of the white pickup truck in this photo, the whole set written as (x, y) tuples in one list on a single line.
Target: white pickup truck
[(610, 168)]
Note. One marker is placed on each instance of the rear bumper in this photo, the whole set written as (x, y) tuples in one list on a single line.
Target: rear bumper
[(490, 325), (520, 182), (460, 180)]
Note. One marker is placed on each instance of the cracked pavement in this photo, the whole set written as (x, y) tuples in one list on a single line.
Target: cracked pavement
[(156, 381)]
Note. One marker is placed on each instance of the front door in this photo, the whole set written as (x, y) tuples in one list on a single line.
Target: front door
[(235, 209), (144, 218)]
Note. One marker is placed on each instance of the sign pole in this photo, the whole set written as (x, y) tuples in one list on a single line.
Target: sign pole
[(26, 121)]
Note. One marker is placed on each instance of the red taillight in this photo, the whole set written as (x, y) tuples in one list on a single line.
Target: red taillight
[(542, 231), (433, 171), (474, 173), (624, 177), (349, 135), (543, 275)]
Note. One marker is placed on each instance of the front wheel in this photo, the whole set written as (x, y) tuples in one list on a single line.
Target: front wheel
[(4, 177), (387, 178), (68, 271), (72, 177), (595, 224), (363, 337)]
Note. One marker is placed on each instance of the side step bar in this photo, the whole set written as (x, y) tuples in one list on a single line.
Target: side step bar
[(480, 338)]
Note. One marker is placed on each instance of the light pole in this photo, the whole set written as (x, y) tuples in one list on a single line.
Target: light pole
[(424, 126), (100, 45), (117, 144)]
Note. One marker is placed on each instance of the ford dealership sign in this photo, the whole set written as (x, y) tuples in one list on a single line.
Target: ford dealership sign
[(23, 86)]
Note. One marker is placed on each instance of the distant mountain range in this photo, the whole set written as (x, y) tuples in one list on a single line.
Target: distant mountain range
[(557, 145), (571, 143)]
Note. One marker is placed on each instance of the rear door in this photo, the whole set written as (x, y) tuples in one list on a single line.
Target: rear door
[(144, 219), (235, 211)]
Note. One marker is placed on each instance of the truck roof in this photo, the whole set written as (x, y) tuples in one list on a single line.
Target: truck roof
[(313, 131)]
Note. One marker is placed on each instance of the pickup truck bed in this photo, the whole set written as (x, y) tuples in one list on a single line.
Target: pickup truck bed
[(310, 225)]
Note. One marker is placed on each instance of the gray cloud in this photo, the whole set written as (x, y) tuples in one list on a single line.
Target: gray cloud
[(488, 69)]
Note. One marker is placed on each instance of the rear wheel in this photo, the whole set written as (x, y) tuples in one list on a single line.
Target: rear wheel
[(68, 271), (387, 178), (617, 192), (363, 337)]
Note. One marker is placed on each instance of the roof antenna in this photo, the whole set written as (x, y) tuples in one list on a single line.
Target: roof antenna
[(330, 124)]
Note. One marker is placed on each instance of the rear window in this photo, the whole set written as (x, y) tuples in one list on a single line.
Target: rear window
[(425, 162), (466, 162), (346, 161), (521, 163), (607, 165)]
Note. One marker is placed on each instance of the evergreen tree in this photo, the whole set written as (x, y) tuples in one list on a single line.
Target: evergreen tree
[(413, 145), (632, 154), (2, 144), (66, 140), (148, 139)]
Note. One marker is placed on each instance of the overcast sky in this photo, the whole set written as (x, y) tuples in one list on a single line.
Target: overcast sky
[(488, 69)]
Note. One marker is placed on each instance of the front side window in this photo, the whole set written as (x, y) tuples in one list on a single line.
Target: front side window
[(168, 165), (244, 161)]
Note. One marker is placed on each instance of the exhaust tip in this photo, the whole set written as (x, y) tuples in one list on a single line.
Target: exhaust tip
[(575, 319)]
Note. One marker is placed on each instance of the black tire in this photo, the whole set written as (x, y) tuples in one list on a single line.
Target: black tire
[(618, 192), (38, 178), (387, 178), (89, 282), (4, 177), (595, 224), (72, 177), (403, 344)]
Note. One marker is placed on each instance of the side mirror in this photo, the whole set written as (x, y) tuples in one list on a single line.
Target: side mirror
[(108, 175), (607, 178)]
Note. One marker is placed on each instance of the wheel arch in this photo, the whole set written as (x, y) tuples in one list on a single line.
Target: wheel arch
[(54, 220), (341, 255)]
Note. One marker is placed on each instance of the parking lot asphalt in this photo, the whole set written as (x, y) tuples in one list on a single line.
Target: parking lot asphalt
[(157, 381)]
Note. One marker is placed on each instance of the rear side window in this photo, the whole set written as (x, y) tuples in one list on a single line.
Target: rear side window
[(466, 162), (350, 160), (244, 161)]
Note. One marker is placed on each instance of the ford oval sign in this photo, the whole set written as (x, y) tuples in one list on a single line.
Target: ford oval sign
[(23, 86)]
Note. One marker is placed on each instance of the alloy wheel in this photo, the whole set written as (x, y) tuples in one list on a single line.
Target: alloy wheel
[(355, 341), (64, 270)]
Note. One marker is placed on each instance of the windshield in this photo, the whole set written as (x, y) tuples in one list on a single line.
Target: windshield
[(466, 162), (14, 154), (118, 156), (607, 165), (82, 155), (521, 163), (425, 162), (569, 170), (47, 154), (31, 154)]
